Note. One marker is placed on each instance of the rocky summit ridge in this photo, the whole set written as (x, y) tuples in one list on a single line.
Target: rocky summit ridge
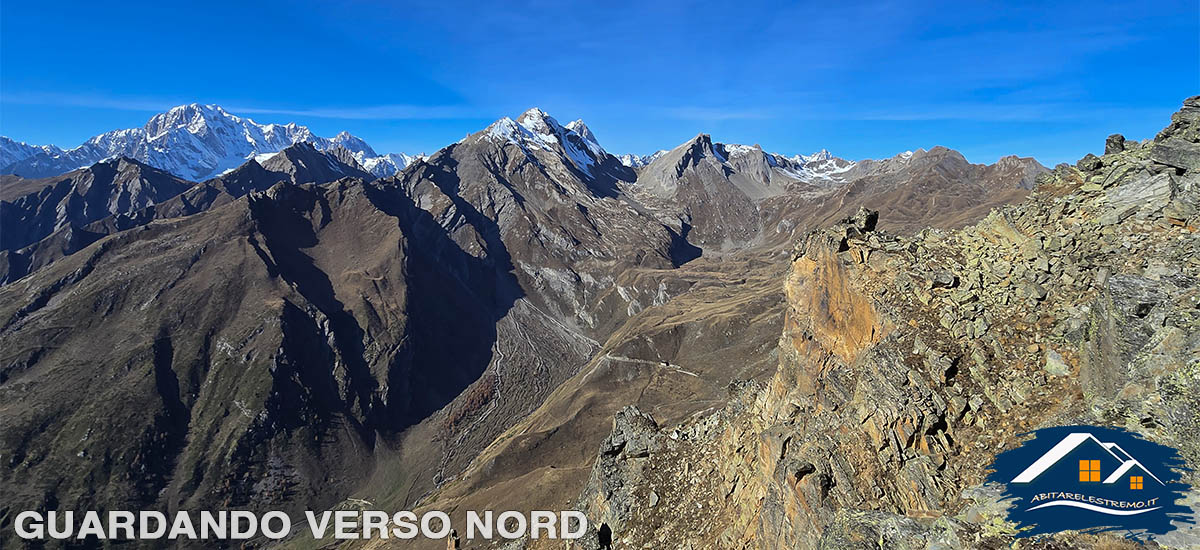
[(907, 363)]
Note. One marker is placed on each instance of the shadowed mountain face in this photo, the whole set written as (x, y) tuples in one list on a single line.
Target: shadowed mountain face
[(295, 331), (267, 342)]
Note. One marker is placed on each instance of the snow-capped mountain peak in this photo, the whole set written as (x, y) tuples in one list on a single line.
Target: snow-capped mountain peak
[(537, 130), (589, 138), (821, 155), (353, 143), (14, 151), (637, 161), (194, 117), (509, 130), (193, 141), (386, 165), (542, 125)]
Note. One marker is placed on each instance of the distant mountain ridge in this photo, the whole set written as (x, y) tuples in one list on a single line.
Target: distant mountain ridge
[(199, 142), (193, 141), (708, 194)]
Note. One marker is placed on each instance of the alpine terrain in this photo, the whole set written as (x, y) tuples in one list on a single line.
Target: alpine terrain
[(712, 346)]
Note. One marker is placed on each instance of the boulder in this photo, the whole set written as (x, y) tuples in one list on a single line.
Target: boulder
[(1055, 366), (1177, 153), (632, 433), (1114, 144), (1089, 163)]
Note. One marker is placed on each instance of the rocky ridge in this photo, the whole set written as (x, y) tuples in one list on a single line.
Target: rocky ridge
[(47, 219), (906, 364)]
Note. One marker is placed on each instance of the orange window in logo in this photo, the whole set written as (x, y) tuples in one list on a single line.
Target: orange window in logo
[(1135, 482), (1089, 470)]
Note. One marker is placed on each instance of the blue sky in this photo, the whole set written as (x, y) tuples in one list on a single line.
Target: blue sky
[(864, 80)]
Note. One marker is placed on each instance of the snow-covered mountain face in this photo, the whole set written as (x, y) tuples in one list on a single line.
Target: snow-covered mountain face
[(193, 141), (638, 161), (199, 142), (14, 151), (383, 166), (535, 131), (821, 165)]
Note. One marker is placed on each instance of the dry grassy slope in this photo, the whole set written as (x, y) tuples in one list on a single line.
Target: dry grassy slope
[(224, 412), (906, 364), (258, 352), (30, 210)]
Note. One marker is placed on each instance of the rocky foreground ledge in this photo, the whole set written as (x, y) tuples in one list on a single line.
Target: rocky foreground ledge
[(906, 364)]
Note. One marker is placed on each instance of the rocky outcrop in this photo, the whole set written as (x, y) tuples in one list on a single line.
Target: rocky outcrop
[(906, 364), (1175, 146)]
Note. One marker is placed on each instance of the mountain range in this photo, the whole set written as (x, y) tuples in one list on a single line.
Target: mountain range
[(296, 330), (194, 142), (198, 142)]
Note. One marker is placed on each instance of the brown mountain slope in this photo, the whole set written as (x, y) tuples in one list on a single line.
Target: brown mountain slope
[(32, 209), (249, 355), (935, 188), (713, 320), (60, 216)]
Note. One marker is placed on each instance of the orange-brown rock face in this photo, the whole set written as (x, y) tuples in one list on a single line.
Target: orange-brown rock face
[(828, 320)]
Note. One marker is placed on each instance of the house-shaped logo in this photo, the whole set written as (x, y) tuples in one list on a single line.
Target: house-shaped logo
[(1085, 477), (1095, 461)]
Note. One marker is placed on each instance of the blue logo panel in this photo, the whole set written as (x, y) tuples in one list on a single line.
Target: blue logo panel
[(1089, 478)]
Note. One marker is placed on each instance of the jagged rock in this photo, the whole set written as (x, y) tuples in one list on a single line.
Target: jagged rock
[(874, 530), (942, 279), (1179, 212), (1177, 153), (1185, 123), (1174, 146), (1146, 195), (1114, 144), (1089, 163), (633, 431), (864, 220)]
